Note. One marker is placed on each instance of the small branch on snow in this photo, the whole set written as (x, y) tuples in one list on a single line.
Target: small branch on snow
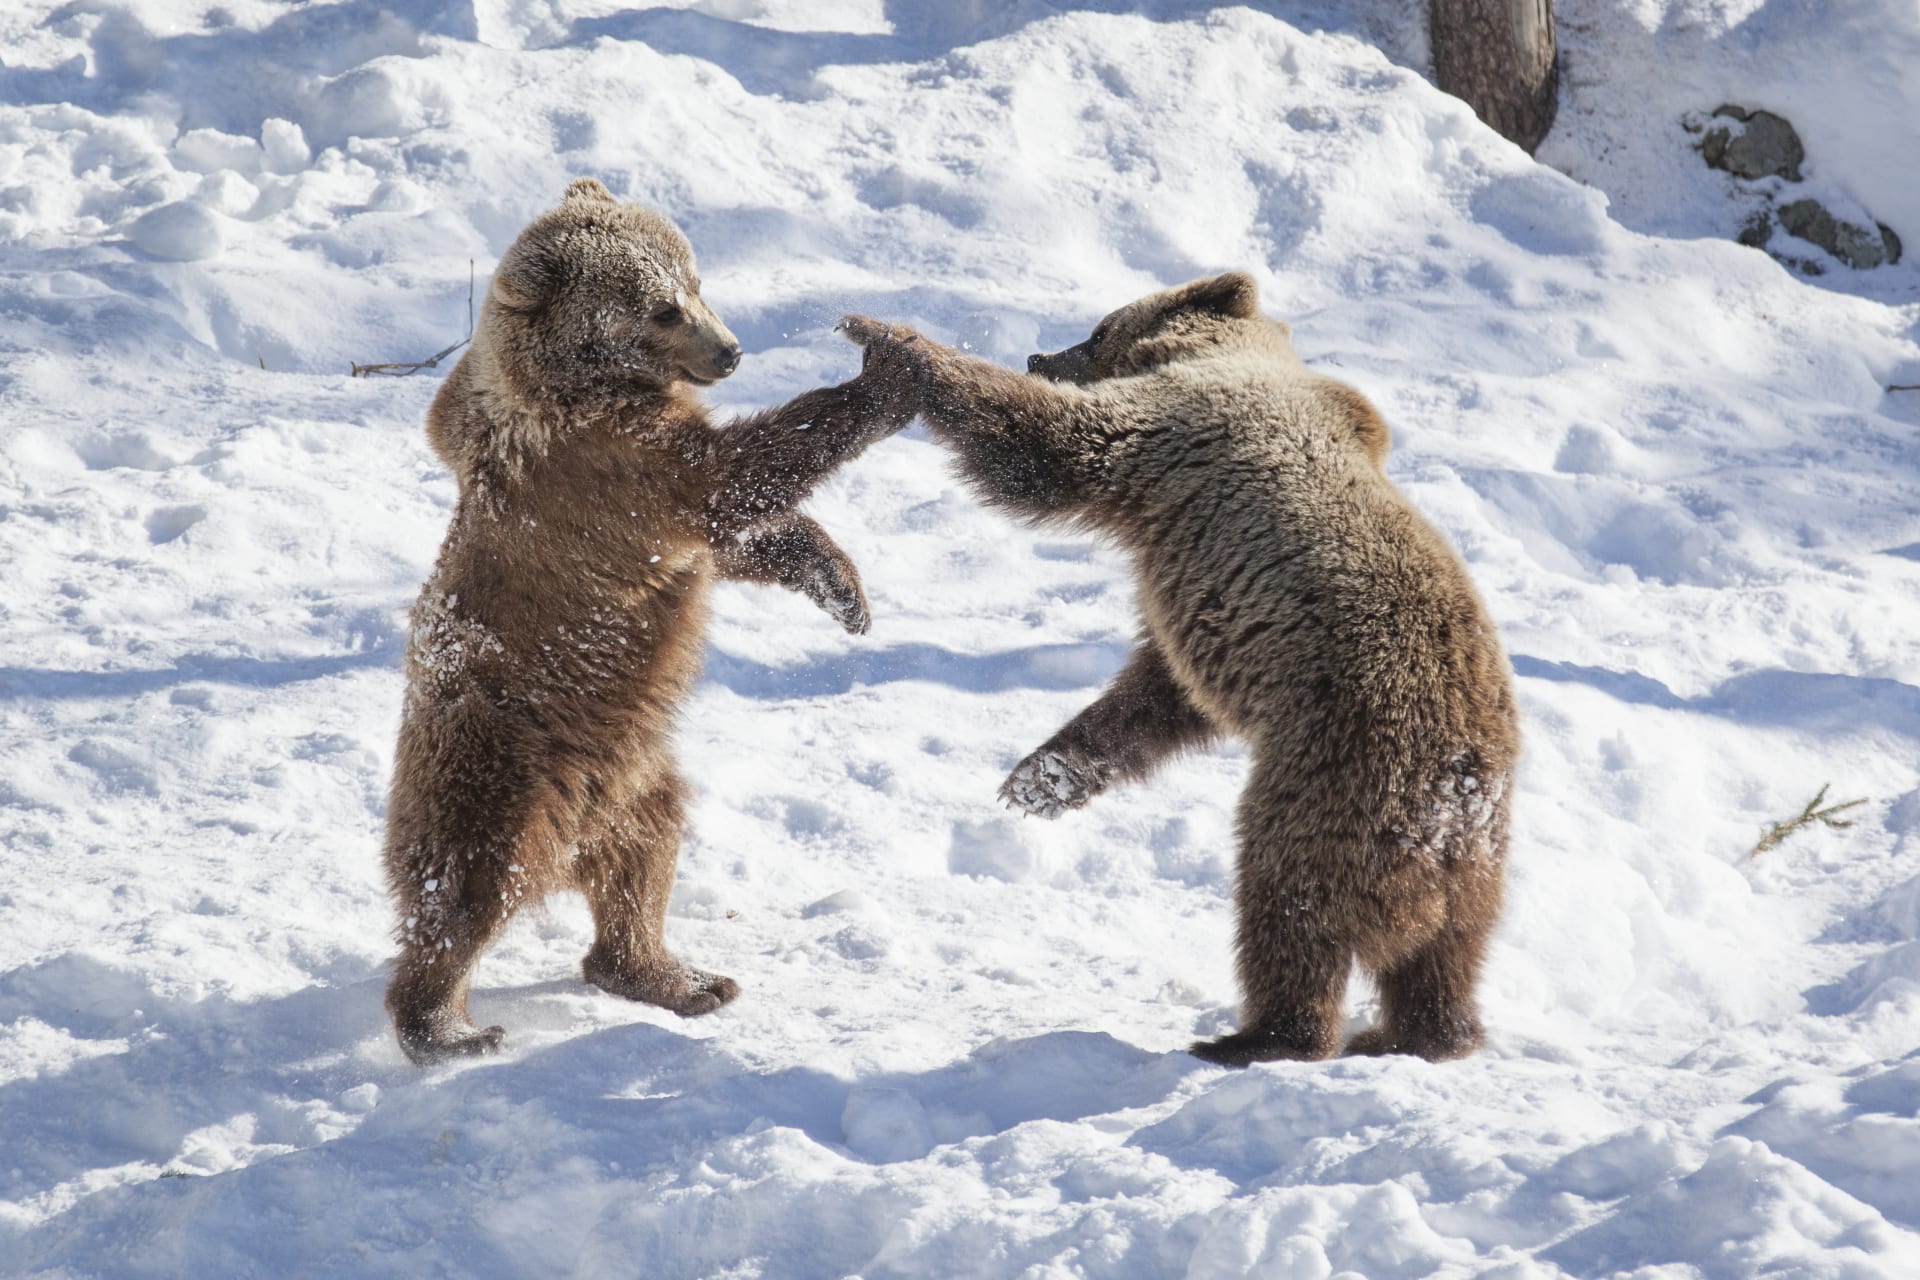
[(407, 368), (1897, 387), (1812, 813)]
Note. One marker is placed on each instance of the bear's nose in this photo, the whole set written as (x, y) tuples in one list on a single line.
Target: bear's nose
[(1036, 363), (729, 360)]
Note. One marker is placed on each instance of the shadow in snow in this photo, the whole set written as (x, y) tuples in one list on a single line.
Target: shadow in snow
[(768, 61), (658, 1125), (1046, 666), (1788, 699), (35, 682), (1829, 1136), (324, 46), (160, 1068)]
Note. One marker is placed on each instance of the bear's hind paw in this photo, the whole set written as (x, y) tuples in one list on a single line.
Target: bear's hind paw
[(1244, 1048), (424, 1049), (680, 988), (1456, 1042)]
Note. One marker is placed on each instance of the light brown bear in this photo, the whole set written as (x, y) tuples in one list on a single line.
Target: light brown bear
[(1293, 598), (562, 625)]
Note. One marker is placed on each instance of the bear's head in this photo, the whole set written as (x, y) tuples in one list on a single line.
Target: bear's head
[(596, 297), (1203, 318)]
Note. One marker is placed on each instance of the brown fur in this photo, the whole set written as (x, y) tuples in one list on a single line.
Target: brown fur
[(562, 625), (1293, 598)]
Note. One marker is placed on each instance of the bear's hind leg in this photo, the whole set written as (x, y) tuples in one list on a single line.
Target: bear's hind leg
[(1291, 957), (627, 874), (1426, 1000), (449, 913)]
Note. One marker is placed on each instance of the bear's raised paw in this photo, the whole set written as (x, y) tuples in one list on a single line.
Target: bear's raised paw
[(1048, 783), (836, 589)]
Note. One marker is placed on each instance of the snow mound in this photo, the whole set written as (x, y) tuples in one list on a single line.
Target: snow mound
[(180, 232)]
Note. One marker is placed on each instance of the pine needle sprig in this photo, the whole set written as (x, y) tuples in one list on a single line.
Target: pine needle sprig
[(1779, 831)]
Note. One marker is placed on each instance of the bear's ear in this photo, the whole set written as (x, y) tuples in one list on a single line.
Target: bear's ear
[(589, 190), (1233, 295), (525, 278)]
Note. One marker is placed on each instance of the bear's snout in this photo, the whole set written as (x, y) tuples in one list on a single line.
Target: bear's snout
[(705, 348), (715, 362), (1075, 364)]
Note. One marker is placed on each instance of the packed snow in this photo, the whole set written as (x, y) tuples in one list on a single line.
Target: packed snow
[(1674, 466)]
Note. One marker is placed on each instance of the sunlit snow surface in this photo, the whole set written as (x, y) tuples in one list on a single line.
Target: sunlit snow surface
[(1673, 466)]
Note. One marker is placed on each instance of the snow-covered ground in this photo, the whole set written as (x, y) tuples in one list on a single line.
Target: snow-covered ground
[(1673, 465)]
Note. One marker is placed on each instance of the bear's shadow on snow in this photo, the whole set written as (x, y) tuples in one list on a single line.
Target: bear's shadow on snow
[(151, 1070), (658, 1088), (1773, 698), (159, 1069)]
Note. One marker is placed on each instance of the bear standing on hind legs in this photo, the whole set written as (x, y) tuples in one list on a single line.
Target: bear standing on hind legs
[(562, 625), (1293, 598)]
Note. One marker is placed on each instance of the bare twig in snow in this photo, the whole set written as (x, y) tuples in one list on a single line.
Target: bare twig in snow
[(407, 368), (1812, 813)]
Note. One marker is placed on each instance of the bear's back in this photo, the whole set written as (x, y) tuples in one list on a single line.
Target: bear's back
[(1291, 581)]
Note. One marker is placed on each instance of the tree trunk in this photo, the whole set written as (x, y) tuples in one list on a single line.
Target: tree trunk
[(1499, 56)]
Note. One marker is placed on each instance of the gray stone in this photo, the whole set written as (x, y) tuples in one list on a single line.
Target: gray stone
[(1858, 247), (1757, 230), (1763, 146)]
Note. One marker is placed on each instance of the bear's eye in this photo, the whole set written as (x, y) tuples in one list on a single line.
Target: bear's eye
[(1101, 330), (668, 316)]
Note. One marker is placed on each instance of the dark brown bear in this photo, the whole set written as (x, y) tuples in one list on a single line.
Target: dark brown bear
[(562, 625), (1293, 598)]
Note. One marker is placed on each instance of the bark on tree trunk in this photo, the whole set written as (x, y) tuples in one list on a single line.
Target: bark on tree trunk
[(1499, 55)]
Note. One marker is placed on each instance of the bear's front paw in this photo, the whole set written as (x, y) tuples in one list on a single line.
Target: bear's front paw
[(893, 367), (1049, 782), (867, 332), (836, 589)]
